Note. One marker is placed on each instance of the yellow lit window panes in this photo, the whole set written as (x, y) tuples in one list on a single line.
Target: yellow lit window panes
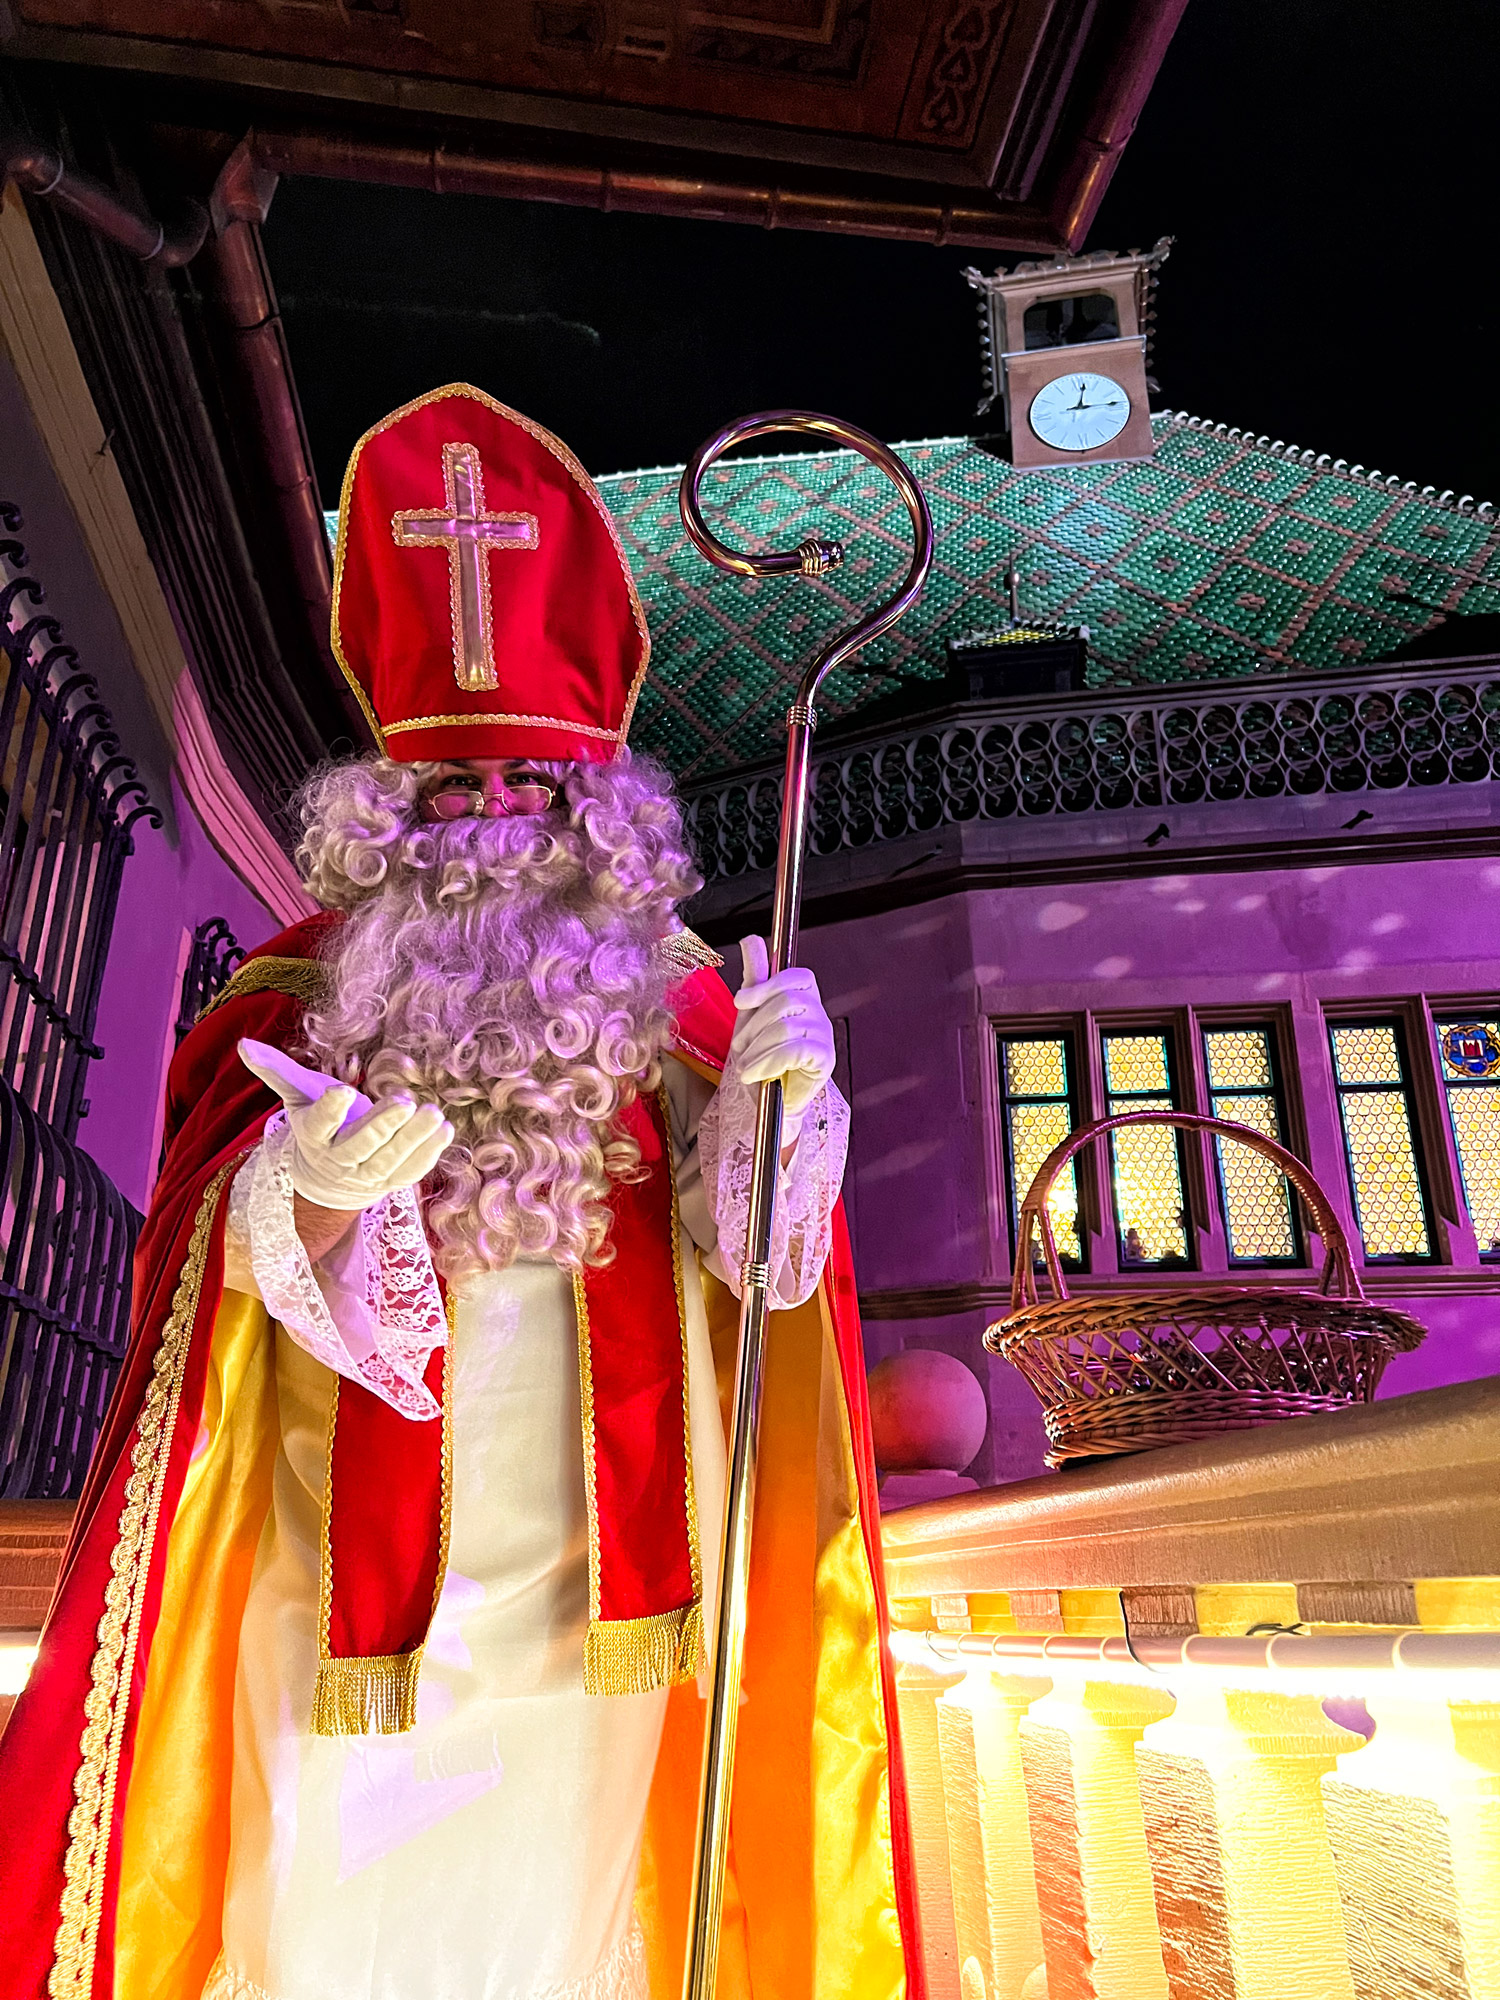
[(1383, 1167), (1038, 1109), (1257, 1202), (1034, 1130), (1135, 1063), (1476, 1132), (1148, 1190), (1366, 1055), (1469, 1052), (1238, 1059), (1036, 1069)]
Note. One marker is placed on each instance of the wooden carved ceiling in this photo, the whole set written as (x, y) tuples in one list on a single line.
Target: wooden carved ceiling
[(992, 122)]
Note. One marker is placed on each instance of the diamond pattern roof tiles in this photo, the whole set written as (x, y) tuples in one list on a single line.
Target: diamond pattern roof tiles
[(1224, 556)]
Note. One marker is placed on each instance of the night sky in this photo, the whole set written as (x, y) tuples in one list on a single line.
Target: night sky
[(1318, 161)]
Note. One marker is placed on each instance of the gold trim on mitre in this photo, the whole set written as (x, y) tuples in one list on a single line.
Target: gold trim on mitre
[(576, 471), (529, 721)]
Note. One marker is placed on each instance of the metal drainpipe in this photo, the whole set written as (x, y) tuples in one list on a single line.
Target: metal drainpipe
[(1111, 119), (970, 221), (239, 279), (242, 284), (41, 171)]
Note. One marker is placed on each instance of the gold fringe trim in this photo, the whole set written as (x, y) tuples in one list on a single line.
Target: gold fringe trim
[(364, 1697), (639, 1655), (301, 979)]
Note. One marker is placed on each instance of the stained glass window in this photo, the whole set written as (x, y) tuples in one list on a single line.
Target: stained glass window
[(1260, 1218), (1038, 1111), (1469, 1059), (1390, 1201), (1150, 1212)]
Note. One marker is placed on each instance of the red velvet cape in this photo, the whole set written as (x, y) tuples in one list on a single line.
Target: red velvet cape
[(56, 1801)]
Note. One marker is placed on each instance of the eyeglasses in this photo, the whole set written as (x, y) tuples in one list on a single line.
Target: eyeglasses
[(461, 796)]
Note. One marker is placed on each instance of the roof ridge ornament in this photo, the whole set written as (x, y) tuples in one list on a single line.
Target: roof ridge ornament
[(1455, 503)]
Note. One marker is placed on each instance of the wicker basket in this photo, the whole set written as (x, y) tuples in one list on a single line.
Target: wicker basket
[(1131, 1370)]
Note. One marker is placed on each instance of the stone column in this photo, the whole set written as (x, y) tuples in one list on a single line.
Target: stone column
[(917, 1690), (1093, 1877), (997, 1928), (1414, 1822), (1245, 1889)]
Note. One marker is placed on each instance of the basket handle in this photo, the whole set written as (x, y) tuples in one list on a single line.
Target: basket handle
[(1339, 1279)]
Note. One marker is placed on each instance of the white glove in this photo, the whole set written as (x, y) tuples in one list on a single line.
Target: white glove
[(348, 1154), (782, 1031)]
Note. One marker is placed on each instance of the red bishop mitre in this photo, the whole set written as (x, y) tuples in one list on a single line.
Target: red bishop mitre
[(482, 602)]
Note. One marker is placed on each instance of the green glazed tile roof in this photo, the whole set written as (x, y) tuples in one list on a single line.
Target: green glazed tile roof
[(1224, 556)]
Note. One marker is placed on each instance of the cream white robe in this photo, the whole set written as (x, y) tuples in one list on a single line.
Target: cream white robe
[(490, 1853)]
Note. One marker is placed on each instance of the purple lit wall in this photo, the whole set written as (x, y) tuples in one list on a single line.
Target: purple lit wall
[(170, 886), (920, 988)]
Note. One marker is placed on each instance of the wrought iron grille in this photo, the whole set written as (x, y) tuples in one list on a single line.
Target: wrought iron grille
[(69, 1239), (1321, 733), (67, 1235), (70, 799), (214, 955)]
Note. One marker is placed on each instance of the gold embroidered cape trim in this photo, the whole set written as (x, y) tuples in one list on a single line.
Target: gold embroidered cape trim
[(306, 980), (107, 1705), (301, 979), (639, 1655), (566, 459), (686, 950)]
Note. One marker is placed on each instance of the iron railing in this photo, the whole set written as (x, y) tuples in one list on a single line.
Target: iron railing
[(1388, 729), (214, 955), (67, 1235), (70, 799)]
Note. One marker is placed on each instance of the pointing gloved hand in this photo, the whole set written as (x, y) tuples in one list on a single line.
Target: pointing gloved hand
[(348, 1154), (782, 1031)]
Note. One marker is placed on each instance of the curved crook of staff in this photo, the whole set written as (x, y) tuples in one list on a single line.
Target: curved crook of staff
[(812, 557)]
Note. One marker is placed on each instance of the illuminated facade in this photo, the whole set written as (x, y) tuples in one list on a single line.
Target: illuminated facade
[(1246, 871)]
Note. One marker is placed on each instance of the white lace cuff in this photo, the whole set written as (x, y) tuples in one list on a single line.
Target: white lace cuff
[(802, 1233), (371, 1309)]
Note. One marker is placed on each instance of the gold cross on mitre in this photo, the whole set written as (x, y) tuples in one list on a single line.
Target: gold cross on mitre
[(468, 533)]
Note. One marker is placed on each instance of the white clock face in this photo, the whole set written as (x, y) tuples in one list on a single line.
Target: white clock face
[(1079, 412)]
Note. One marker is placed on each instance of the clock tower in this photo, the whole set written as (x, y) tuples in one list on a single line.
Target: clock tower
[(1066, 347)]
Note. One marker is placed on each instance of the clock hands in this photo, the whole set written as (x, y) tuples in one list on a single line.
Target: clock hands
[(1096, 413)]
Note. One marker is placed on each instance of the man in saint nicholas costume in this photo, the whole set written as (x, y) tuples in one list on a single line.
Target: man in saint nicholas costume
[(374, 1668)]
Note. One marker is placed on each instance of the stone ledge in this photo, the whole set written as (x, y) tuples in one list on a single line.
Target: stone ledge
[(33, 1535), (1386, 1492)]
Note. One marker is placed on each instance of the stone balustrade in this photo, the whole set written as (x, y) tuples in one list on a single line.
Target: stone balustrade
[(1220, 1722)]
